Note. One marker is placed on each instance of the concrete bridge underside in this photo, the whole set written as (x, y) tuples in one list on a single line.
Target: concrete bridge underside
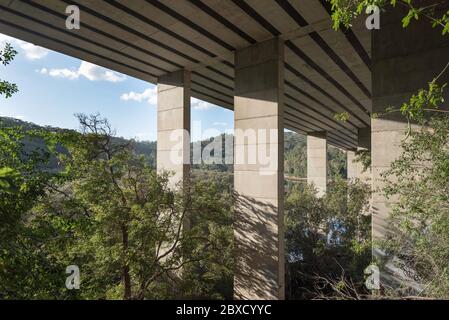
[(277, 63)]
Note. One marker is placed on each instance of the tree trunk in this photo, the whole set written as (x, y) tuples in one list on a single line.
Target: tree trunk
[(125, 273)]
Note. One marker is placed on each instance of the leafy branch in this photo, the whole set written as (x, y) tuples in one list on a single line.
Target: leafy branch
[(345, 11), (6, 56)]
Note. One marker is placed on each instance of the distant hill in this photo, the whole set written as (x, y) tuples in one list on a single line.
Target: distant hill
[(145, 148), (294, 151)]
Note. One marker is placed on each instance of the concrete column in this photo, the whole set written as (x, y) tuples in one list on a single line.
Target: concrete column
[(317, 161), (351, 165), (258, 171), (403, 61), (173, 125), (355, 169)]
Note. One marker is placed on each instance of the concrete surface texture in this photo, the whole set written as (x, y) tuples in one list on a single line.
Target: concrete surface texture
[(173, 126), (317, 161), (351, 164), (258, 226)]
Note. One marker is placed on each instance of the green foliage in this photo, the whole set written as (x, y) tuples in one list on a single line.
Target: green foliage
[(6, 56), (213, 276), (346, 11), (107, 211), (295, 158), (363, 157), (419, 220), (336, 163), (23, 262), (422, 102), (7, 177), (145, 148), (327, 239), (7, 174), (295, 155), (99, 191), (342, 116)]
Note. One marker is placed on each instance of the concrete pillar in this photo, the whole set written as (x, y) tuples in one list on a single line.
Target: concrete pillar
[(351, 165), (173, 125), (317, 161), (355, 168), (404, 60), (258, 183)]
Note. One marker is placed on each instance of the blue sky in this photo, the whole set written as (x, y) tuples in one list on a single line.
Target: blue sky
[(53, 87)]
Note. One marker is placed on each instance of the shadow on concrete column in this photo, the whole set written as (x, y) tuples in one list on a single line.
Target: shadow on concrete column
[(259, 187)]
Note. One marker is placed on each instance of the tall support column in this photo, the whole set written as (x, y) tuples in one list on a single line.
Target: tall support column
[(351, 165), (258, 171), (355, 169), (403, 61), (317, 161), (173, 125)]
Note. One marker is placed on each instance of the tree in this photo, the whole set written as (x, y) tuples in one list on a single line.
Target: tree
[(336, 163), (328, 239), (114, 217), (22, 183), (418, 221), (8, 89)]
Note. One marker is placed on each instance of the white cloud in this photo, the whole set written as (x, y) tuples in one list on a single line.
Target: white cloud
[(96, 73), (149, 95), (64, 73), (87, 70), (220, 124), (201, 105), (32, 52)]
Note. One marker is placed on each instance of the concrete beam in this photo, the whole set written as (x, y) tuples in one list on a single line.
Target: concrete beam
[(317, 161), (258, 184), (173, 126)]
